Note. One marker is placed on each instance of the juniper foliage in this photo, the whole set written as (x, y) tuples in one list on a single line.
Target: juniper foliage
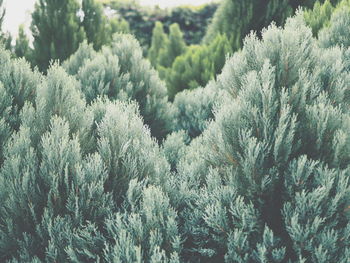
[(278, 155), (57, 195), (120, 72), (257, 169)]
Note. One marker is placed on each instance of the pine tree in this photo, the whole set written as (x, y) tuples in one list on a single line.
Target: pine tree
[(73, 64), (117, 25), (159, 41), (98, 27), (173, 48), (236, 18), (335, 31), (174, 147), (197, 66), (257, 169), (148, 232), (95, 23), (22, 48), (17, 87), (5, 37), (319, 16), (53, 39)]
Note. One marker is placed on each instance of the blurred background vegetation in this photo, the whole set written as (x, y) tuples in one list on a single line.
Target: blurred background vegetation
[(187, 45)]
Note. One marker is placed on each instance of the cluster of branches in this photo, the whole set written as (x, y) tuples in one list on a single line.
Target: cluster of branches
[(96, 165)]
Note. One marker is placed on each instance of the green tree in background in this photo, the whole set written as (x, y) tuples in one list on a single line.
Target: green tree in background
[(193, 20), (174, 47), (56, 31), (98, 27), (336, 32), (22, 48), (197, 66), (118, 25), (319, 16), (233, 20), (5, 38), (95, 23), (236, 18), (159, 41)]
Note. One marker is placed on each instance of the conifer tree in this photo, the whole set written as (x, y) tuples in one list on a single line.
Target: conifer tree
[(5, 37), (159, 41), (98, 27), (54, 39), (121, 72), (264, 179), (236, 18), (73, 64), (59, 95), (95, 23), (59, 190), (197, 66), (319, 16), (195, 108), (148, 233), (22, 48), (17, 86), (278, 157), (173, 48), (117, 25), (174, 147), (335, 31)]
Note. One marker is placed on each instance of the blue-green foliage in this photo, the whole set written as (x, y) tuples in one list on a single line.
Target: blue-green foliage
[(66, 169), (337, 32), (272, 170), (56, 195), (17, 86), (174, 147), (256, 170), (120, 72), (195, 108)]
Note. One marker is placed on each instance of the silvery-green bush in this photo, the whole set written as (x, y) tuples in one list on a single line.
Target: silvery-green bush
[(265, 179), (121, 73)]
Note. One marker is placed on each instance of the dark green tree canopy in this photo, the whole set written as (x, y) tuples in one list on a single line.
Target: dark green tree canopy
[(53, 39), (22, 48), (197, 66), (98, 27)]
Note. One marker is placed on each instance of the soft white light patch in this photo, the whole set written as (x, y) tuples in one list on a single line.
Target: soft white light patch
[(17, 12)]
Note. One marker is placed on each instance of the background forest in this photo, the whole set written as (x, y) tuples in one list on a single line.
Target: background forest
[(216, 133)]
